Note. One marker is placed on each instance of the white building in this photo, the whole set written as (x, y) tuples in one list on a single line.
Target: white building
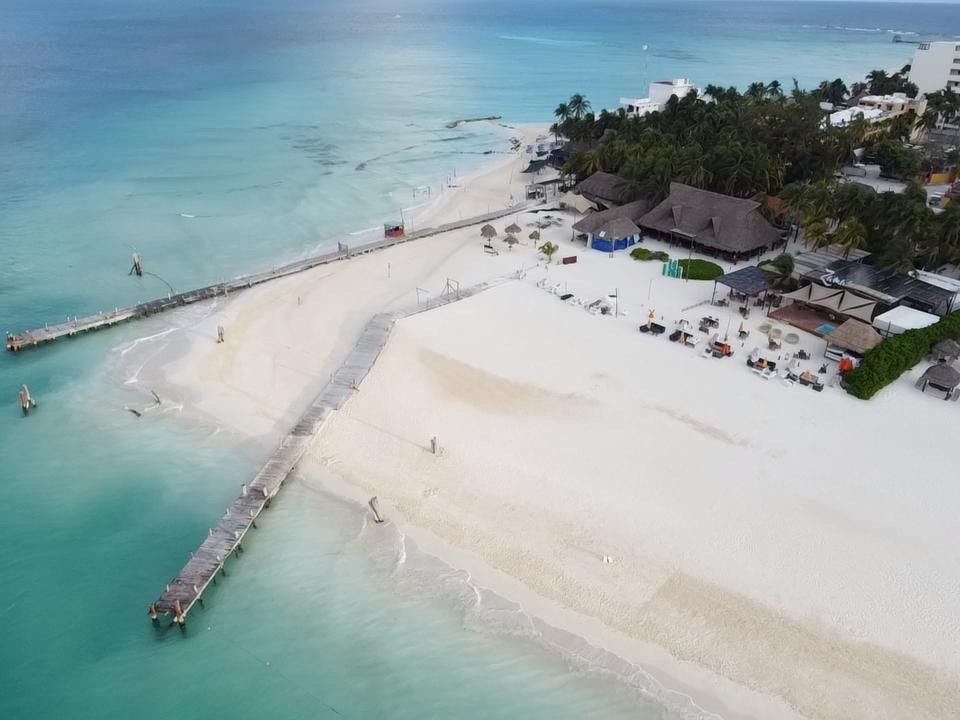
[(935, 66), (660, 94), (893, 105), (844, 117)]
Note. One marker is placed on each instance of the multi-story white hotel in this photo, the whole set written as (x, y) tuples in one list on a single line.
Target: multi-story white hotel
[(935, 66)]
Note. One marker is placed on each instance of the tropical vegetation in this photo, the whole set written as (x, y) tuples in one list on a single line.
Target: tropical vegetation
[(697, 269), (899, 229), (894, 356), (643, 254)]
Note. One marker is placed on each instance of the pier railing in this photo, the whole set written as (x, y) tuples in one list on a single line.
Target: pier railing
[(208, 560), (79, 325)]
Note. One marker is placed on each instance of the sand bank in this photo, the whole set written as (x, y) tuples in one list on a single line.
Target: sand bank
[(768, 534), (771, 551)]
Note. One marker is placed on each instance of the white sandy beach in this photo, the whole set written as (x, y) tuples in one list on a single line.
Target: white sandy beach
[(770, 551)]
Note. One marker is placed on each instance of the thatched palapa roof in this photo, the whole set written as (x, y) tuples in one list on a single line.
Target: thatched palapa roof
[(631, 211), (855, 336), (617, 229), (712, 220), (605, 188)]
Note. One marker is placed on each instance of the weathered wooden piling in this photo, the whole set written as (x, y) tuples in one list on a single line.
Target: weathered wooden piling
[(375, 507), (27, 403)]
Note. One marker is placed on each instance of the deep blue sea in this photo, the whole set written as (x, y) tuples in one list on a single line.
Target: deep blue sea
[(221, 136)]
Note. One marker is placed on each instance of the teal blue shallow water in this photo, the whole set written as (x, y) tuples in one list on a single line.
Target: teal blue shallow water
[(217, 137)]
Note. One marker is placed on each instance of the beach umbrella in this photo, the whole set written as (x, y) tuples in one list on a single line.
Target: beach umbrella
[(650, 318), (535, 235), (488, 231), (513, 229), (511, 240)]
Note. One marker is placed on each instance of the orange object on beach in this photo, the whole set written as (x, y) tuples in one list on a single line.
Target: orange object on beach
[(846, 365)]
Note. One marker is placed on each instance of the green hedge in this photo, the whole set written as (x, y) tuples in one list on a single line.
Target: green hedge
[(897, 354), (644, 254), (700, 270)]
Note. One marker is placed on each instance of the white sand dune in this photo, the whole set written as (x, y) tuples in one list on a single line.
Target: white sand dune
[(771, 551)]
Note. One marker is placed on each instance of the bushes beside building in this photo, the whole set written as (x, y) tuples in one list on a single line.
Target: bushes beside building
[(700, 269), (644, 254), (898, 354)]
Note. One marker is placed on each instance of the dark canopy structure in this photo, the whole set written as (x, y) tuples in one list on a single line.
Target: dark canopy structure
[(751, 281), (884, 286)]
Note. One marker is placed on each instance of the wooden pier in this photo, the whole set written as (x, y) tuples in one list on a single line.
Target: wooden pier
[(80, 325), (207, 561)]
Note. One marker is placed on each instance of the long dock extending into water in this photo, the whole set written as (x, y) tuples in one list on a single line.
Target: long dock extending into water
[(80, 325), (208, 560)]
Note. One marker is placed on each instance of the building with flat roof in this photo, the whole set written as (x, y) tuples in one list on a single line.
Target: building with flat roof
[(842, 118), (895, 104), (935, 66), (659, 94)]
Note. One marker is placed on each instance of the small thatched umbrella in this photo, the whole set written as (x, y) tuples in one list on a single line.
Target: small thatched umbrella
[(535, 235), (513, 229), (511, 240), (488, 231)]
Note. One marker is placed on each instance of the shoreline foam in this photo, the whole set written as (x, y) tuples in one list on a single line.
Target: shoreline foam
[(278, 351)]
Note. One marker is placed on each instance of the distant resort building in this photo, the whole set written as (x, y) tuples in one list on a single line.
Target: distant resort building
[(659, 94), (842, 118), (877, 108), (935, 66)]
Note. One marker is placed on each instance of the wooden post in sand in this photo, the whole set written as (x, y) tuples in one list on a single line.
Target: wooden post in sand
[(434, 445), (26, 400), (374, 505)]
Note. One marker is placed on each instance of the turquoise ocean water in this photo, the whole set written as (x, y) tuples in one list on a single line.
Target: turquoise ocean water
[(218, 137)]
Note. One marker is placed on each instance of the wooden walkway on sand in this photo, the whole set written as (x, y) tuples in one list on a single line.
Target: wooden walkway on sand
[(79, 325), (207, 561)]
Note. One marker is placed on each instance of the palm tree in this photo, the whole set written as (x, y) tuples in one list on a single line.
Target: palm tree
[(756, 91), (851, 235), (774, 89), (878, 81), (815, 233), (929, 120), (579, 106), (562, 113), (780, 270)]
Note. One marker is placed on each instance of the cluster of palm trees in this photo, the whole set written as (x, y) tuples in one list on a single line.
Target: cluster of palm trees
[(899, 229), (943, 106), (739, 144)]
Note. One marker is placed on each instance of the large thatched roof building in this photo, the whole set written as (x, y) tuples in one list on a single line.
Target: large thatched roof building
[(721, 223)]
